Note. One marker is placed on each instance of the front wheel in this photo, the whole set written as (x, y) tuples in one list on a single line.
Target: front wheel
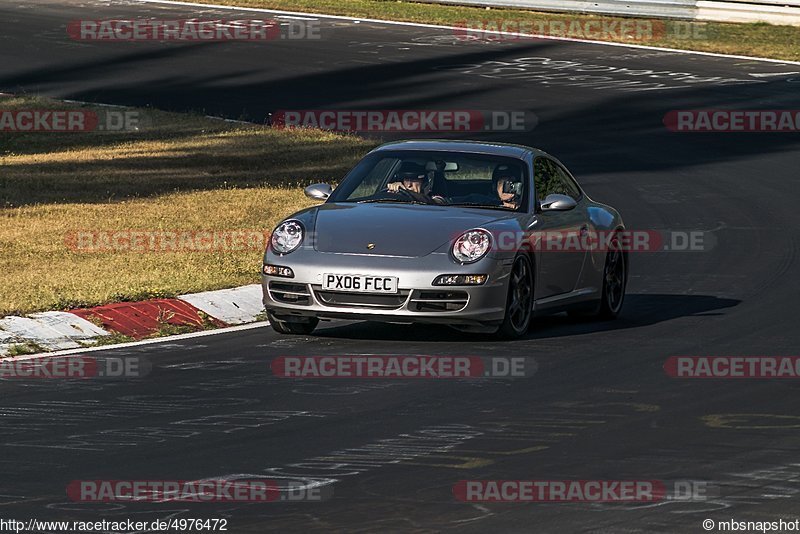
[(519, 304), (304, 327)]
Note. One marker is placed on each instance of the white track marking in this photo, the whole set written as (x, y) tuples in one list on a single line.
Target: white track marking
[(440, 27), (771, 74), (166, 339)]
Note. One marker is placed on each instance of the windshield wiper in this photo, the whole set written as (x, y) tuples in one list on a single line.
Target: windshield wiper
[(400, 200), (480, 205)]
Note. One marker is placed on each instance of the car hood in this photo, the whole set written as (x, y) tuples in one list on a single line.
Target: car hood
[(409, 230)]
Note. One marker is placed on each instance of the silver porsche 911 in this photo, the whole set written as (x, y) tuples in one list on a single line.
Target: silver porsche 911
[(478, 236)]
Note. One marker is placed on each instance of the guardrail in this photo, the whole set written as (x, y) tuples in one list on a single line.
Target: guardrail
[(771, 11)]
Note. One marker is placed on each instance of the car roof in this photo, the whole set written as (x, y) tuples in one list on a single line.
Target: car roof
[(475, 147)]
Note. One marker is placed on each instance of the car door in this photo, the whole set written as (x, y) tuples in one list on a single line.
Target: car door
[(558, 234)]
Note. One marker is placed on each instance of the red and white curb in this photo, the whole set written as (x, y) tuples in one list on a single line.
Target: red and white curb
[(7, 340), (52, 330), (58, 330), (239, 305)]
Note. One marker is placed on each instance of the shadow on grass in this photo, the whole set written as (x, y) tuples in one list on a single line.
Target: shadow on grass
[(124, 166)]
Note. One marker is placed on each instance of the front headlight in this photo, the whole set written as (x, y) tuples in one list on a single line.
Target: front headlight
[(287, 237), (472, 246)]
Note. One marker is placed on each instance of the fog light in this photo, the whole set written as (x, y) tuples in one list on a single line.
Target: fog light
[(460, 280), (277, 270)]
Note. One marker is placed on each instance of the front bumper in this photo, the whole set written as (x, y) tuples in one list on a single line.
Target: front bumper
[(417, 300)]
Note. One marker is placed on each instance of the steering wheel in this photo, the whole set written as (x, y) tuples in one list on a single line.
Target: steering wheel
[(405, 192), (436, 200)]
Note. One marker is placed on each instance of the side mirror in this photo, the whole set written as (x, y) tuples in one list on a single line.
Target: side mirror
[(556, 202), (318, 191)]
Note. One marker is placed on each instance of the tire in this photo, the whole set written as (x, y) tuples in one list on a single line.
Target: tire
[(297, 328), (519, 303), (615, 280)]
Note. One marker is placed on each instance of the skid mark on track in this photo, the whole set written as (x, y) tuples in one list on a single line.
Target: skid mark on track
[(752, 421), (553, 72)]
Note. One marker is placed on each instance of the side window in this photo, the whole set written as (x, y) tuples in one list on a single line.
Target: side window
[(570, 187), (550, 178), (542, 177)]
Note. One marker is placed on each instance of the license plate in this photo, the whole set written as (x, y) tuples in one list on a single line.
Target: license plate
[(360, 283)]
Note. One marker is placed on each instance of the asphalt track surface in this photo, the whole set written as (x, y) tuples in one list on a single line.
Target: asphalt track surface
[(600, 405)]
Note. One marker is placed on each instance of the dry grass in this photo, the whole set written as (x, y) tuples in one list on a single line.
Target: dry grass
[(760, 40), (182, 173)]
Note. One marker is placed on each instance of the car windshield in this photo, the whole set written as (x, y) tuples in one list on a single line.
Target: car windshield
[(440, 178)]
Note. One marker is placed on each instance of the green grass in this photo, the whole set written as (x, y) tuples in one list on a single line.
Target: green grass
[(21, 349), (114, 338), (182, 173), (759, 39)]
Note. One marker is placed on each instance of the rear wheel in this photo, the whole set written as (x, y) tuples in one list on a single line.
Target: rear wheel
[(303, 326), (615, 278), (519, 304)]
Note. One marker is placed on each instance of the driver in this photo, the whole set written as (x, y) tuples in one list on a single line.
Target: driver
[(413, 179)]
